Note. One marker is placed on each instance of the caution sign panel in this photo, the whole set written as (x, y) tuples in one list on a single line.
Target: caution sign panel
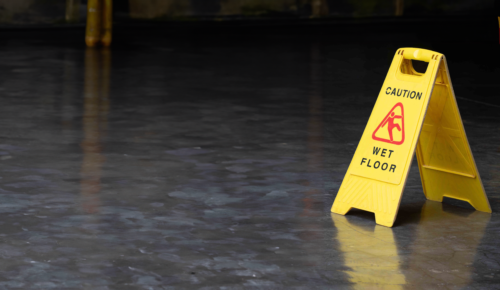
[(414, 111)]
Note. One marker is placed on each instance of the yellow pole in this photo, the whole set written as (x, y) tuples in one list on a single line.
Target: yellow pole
[(93, 32), (99, 22), (107, 22)]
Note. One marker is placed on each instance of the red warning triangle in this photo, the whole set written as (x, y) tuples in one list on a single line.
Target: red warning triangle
[(392, 127)]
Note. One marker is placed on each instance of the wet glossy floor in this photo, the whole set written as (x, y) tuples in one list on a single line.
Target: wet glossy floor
[(213, 164)]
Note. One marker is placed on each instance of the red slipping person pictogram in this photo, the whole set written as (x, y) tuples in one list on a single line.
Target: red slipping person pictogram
[(390, 124)]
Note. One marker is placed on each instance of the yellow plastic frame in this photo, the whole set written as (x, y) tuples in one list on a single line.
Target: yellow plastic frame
[(429, 122)]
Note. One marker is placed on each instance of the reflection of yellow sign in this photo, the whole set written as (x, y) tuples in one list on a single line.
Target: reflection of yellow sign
[(404, 111), (374, 257), (444, 254), (371, 255)]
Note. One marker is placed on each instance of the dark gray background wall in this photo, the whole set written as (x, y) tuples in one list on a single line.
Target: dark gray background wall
[(54, 11)]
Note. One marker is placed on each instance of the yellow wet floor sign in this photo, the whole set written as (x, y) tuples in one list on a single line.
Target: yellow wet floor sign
[(413, 111)]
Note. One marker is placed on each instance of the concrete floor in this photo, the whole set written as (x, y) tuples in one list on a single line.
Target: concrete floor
[(212, 163)]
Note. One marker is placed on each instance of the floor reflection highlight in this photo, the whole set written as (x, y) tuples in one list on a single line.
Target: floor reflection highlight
[(440, 250)]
